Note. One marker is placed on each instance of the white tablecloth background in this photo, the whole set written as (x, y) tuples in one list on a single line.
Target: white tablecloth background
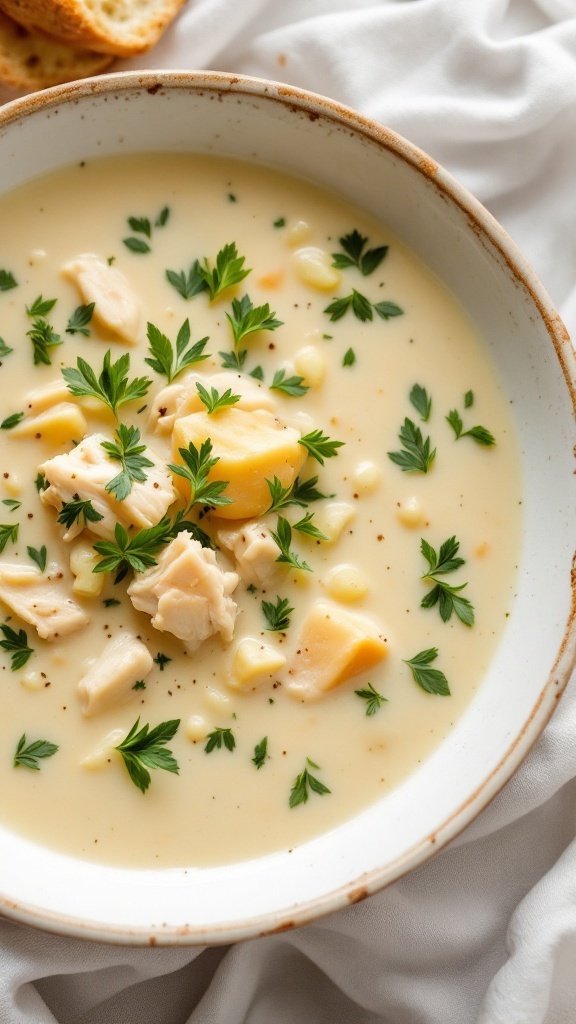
[(486, 932)]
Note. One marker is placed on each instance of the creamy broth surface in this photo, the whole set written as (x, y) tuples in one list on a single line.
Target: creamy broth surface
[(221, 807)]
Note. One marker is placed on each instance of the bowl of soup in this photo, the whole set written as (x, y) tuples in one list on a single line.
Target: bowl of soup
[(287, 501)]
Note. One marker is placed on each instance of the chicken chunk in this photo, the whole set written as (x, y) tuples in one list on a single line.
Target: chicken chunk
[(111, 678), (334, 645), (187, 593), (182, 398), (42, 600), (116, 305), (254, 550), (84, 472)]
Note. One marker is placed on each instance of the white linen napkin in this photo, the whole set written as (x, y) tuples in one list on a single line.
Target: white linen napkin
[(486, 932)]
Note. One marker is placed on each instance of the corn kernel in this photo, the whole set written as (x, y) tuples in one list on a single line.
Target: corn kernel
[(196, 728), (410, 512), (32, 681)]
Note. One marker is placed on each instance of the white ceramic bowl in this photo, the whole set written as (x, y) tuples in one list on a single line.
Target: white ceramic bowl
[(366, 163)]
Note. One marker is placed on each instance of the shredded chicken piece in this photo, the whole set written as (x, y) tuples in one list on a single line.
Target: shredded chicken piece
[(84, 472), (111, 678), (116, 305), (42, 600), (187, 593), (182, 398), (254, 550)]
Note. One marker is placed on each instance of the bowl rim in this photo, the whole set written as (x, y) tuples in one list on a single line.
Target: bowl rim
[(485, 226)]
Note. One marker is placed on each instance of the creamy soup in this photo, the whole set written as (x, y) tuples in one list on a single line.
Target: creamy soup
[(260, 511)]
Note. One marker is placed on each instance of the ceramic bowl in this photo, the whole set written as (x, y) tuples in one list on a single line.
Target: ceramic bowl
[(365, 162)]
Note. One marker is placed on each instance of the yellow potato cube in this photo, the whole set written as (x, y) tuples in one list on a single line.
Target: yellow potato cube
[(83, 559), (334, 645), (253, 663), (58, 423), (252, 446)]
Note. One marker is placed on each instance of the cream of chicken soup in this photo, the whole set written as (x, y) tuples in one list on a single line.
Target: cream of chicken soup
[(259, 515)]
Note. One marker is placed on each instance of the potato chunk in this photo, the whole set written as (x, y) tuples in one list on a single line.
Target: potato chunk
[(112, 676), (116, 305), (57, 424), (334, 645), (251, 446), (187, 593), (42, 600), (254, 663), (181, 398)]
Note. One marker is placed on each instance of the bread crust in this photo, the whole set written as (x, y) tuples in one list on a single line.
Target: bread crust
[(132, 29), (27, 61)]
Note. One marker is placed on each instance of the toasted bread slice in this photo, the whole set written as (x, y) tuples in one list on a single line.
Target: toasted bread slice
[(122, 28), (28, 61)]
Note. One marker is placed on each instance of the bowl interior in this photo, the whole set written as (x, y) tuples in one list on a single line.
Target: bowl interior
[(452, 233)]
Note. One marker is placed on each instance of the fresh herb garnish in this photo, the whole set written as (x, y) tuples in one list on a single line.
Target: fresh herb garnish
[(304, 783), (288, 385), (421, 401), (446, 596), (349, 357), (229, 270), (7, 281), (280, 223), (128, 452), (136, 553), (197, 465), (246, 318), (11, 421), (28, 756), (143, 226), (169, 362), (111, 602), (218, 738), (161, 660), (145, 748), (215, 402), (5, 350), (307, 527), (233, 360), (374, 700), (257, 373), (112, 387), (260, 752), (478, 433), (416, 455), (283, 539), (319, 446), (81, 317), (360, 305), (40, 306), (78, 509), (38, 555), (430, 679), (43, 338), (354, 255), (139, 685), (190, 284), (277, 615), (16, 643), (40, 482), (8, 533), (11, 503)]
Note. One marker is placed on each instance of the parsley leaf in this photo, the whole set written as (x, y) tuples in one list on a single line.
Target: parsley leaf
[(374, 700), (11, 503), (233, 360), (360, 305), (213, 401), (8, 533), (190, 284), (283, 539), (260, 753), (319, 446), (169, 362), (430, 679), (218, 738), (288, 385), (349, 357), (81, 317), (307, 527), (43, 338), (28, 756), (304, 783), (5, 350), (479, 434), (387, 310), (197, 466), (229, 270), (38, 555), (7, 281), (446, 596), (11, 421), (421, 401), (145, 748), (16, 643), (128, 453), (277, 615), (416, 456), (135, 553), (112, 387), (40, 306), (246, 318), (75, 510), (161, 660), (354, 255)]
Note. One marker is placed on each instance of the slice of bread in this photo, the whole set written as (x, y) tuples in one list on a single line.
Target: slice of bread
[(122, 28), (28, 61)]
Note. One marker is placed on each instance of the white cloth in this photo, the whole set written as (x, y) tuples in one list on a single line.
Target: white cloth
[(486, 932)]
